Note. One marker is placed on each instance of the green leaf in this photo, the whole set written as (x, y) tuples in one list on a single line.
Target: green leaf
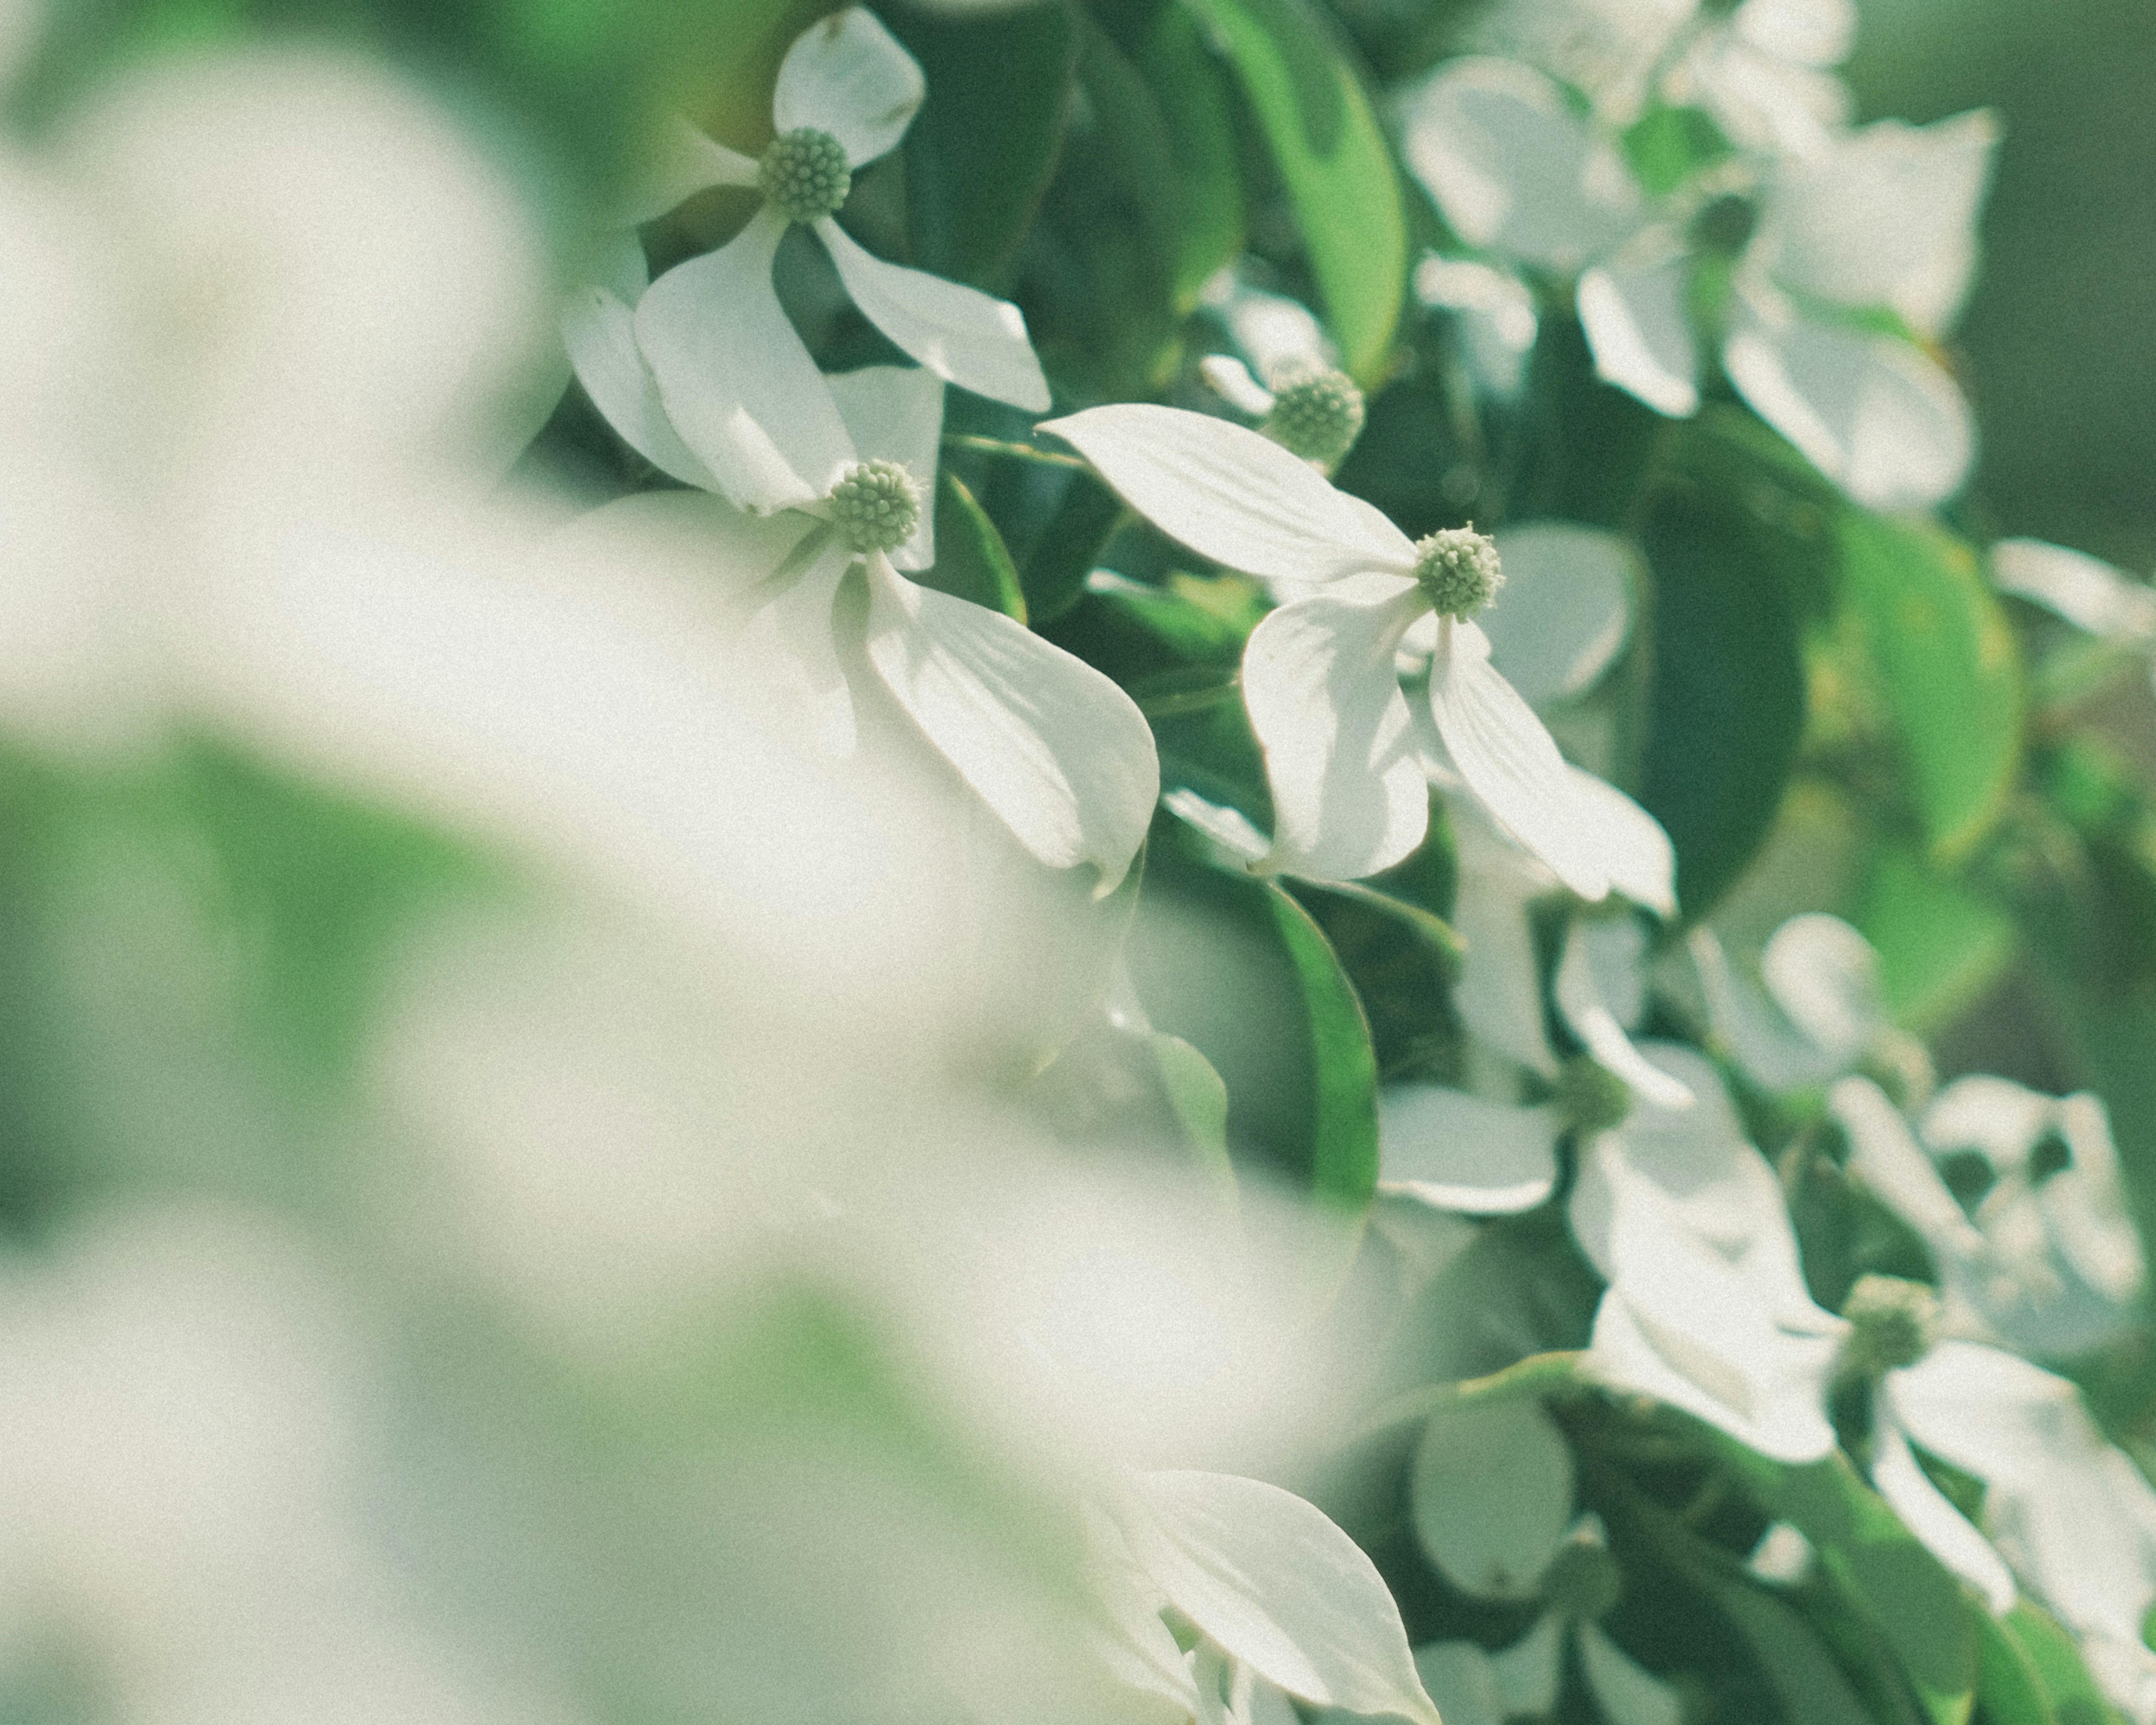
[(1949, 671), (1941, 945), (1796, 1665), (1332, 156), (1727, 704), (2008, 1688), (1065, 550), (972, 561), (1200, 1100), (2056, 1661), (979, 155), (1193, 91), (1344, 1132), (1666, 146)]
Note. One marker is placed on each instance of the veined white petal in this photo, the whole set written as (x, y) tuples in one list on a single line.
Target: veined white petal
[(1528, 1672), (1232, 496), (1513, 168), (1600, 988), (789, 643), (1230, 379), (895, 414), (599, 330), (1824, 977), (1061, 754), (1885, 216), (1465, 1153), (1565, 607), (847, 76), (2088, 593), (1349, 795), (736, 382), (1642, 861), (684, 163), (970, 338), (1492, 1490), (1509, 761), (1926, 1513), (1871, 412), (1630, 1693), (1640, 333)]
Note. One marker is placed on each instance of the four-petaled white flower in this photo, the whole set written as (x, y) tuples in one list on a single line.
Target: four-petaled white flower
[(1350, 795), (707, 378), (1876, 221)]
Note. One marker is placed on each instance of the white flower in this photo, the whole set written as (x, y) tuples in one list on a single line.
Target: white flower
[(1063, 755), (707, 378), (1820, 1010), (2050, 1260), (1880, 219), (1765, 71), (1350, 795), (1706, 1308), (2087, 592)]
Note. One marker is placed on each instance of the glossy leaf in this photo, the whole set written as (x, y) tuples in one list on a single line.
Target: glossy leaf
[(2056, 1662), (972, 561), (1331, 156), (1066, 548), (1192, 89), (1949, 671), (1343, 1148)]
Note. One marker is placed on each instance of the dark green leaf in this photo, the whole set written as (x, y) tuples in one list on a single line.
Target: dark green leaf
[(972, 561), (979, 154), (1344, 1132), (1949, 671), (2056, 1661), (2008, 1686), (1332, 158), (1065, 552), (1192, 90), (1798, 1667)]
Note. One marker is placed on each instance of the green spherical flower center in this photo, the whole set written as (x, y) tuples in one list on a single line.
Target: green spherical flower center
[(1316, 415), (875, 505), (1583, 1581), (1591, 1098), (805, 173), (1892, 1324), (1458, 570)]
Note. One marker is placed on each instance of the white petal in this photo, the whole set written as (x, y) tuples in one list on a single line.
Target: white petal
[(1762, 104), (1564, 608), (1277, 333), (1270, 1579), (2088, 593), (972, 339), (599, 330), (1229, 829), (1600, 988), (1499, 992), (1458, 1677), (1232, 496), (1765, 1044), (1808, 32), (895, 414), (847, 76), (1464, 1152), (1884, 1155), (1640, 333), (1349, 795), (1925, 1511), (1230, 379), (1871, 412), (1528, 1673), (1642, 861), (1060, 753), (736, 382), (1885, 216), (1630, 1693), (1492, 1491), (1995, 1116), (1514, 169), (789, 644), (1509, 761), (1824, 976), (685, 163), (1497, 313)]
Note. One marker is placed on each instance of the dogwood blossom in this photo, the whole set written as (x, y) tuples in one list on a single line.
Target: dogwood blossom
[(1061, 754), (705, 377), (1818, 1012), (1876, 220), (1349, 789)]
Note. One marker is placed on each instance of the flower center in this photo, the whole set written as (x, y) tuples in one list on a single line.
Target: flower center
[(1316, 415), (805, 173), (1893, 1323), (1591, 1098), (875, 505), (1458, 570)]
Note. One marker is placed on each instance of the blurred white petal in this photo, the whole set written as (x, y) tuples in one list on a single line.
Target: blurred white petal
[(847, 76), (1925, 1512), (1349, 795), (1458, 1678), (2089, 593), (1497, 313), (1807, 33), (963, 335), (738, 385), (1513, 169), (1600, 989), (1499, 990), (1640, 331), (1232, 496), (1230, 379), (1563, 613), (1465, 1153), (1824, 977), (600, 333), (1060, 753), (1229, 828)]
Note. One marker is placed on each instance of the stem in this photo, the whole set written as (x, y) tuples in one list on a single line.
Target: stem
[(1010, 451), (1189, 701), (1553, 1373)]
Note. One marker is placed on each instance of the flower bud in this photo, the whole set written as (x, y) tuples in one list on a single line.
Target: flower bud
[(1316, 415), (1458, 570), (1893, 1323), (875, 505), (805, 173)]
